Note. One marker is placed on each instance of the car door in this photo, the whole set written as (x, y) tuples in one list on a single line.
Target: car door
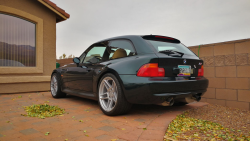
[(69, 74), (82, 74)]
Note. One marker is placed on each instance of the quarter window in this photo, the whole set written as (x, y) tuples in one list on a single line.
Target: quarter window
[(120, 49), (17, 42)]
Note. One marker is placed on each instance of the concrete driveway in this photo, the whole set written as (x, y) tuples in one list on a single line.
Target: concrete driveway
[(144, 122)]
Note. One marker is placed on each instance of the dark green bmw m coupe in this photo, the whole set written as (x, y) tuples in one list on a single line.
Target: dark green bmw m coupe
[(126, 70)]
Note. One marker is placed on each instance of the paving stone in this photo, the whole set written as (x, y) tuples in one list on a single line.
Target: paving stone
[(89, 129), (38, 123), (108, 121), (5, 128), (24, 120), (71, 108), (140, 120), (78, 117), (107, 128), (103, 137), (52, 119), (38, 139), (28, 131), (91, 109)]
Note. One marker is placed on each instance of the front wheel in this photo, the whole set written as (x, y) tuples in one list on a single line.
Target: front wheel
[(55, 86), (111, 98)]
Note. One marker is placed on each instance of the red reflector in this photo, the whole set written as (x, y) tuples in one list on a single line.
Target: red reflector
[(151, 70), (164, 37), (201, 71)]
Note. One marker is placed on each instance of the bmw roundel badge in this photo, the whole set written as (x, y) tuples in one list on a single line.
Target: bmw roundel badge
[(184, 61)]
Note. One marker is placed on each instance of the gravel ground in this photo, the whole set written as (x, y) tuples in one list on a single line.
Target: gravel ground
[(231, 118)]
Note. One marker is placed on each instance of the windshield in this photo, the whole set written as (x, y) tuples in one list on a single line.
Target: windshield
[(160, 46)]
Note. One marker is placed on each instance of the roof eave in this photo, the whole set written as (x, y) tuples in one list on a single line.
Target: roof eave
[(61, 16)]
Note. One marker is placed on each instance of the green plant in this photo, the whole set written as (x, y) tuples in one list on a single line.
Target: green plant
[(42, 111)]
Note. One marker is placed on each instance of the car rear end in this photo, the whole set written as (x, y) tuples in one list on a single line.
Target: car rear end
[(176, 76)]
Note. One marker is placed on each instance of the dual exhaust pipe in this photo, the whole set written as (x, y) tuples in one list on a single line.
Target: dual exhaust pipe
[(170, 100)]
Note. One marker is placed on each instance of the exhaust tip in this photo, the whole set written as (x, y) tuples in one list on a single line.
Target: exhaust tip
[(169, 102), (197, 98)]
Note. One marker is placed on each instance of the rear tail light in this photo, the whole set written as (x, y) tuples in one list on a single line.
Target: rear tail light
[(201, 71), (151, 70)]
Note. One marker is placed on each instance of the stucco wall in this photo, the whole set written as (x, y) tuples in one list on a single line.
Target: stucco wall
[(35, 8), (227, 66)]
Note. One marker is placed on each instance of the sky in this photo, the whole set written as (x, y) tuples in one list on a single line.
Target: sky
[(193, 22)]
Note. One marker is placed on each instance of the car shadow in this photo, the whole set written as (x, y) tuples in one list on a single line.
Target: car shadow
[(136, 108)]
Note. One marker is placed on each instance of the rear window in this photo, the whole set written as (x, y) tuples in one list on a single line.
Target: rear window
[(160, 46)]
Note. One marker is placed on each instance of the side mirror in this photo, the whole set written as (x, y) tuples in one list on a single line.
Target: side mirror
[(76, 60)]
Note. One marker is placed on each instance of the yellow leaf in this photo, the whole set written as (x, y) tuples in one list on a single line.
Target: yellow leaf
[(213, 139), (123, 128), (113, 139)]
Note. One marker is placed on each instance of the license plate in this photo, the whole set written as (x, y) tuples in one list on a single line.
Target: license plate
[(185, 70)]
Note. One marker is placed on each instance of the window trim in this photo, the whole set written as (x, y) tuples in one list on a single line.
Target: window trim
[(39, 42)]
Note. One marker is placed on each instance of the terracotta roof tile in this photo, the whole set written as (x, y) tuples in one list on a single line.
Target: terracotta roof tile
[(57, 8)]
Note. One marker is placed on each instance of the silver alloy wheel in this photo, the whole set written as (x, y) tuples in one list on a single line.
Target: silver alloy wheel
[(53, 85), (108, 94)]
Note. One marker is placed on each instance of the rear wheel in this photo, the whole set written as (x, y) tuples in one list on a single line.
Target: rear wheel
[(55, 86), (111, 98)]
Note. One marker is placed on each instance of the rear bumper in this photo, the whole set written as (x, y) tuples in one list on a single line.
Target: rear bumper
[(144, 90)]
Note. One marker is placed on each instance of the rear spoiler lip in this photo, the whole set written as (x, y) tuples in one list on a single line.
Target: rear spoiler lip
[(161, 38)]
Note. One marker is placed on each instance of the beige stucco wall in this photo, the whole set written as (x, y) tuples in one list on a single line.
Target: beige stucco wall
[(227, 67), (17, 82)]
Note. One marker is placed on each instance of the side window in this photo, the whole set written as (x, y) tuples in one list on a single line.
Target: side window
[(120, 49), (95, 54)]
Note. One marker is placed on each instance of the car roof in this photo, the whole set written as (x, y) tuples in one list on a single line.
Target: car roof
[(120, 37), (141, 46)]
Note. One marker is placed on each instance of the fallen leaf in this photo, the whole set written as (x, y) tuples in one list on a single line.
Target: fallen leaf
[(20, 96), (47, 133), (87, 135), (85, 131), (123, 128), (144, 128)]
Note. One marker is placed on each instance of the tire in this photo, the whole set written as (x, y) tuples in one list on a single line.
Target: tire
[(111, 99), (55, 86)]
